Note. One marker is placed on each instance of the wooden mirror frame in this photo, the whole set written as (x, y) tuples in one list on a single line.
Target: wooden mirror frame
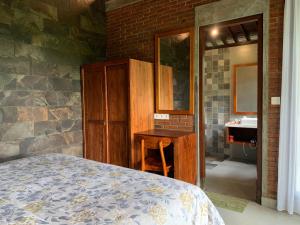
[(191, 31), (235, 67)]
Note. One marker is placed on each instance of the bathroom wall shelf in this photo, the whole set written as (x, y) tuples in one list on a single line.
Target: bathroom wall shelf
[(241, 135)]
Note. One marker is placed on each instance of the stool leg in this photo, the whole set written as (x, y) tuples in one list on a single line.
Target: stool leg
[(162, 154)]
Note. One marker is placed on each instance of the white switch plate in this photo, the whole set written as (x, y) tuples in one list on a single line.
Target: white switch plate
[(159, 116), (275, 100)]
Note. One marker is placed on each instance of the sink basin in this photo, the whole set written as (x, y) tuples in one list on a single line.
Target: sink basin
[(249, 121), (245, 123)]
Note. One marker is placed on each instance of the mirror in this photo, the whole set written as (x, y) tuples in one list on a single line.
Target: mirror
[(174, 72), (245, 89)]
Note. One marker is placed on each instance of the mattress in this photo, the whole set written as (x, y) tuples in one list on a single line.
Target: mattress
[(61, 189)]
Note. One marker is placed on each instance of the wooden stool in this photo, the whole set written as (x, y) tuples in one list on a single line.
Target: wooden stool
[(150, 163)]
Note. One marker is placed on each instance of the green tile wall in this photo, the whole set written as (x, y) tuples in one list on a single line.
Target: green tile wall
[(42, 45)]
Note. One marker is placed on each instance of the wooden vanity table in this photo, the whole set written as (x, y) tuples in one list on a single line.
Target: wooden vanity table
[(242, 133), (184, 144)]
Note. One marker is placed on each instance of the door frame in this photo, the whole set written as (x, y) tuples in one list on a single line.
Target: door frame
[(259, 20)]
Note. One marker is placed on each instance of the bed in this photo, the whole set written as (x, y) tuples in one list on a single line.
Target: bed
[(61, 189)]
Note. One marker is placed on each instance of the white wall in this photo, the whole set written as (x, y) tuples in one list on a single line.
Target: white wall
[(241, 55)]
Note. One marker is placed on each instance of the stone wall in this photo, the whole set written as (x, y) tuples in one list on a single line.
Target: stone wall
[(42, 45)]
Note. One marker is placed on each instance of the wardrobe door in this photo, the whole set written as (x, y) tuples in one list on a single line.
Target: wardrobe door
[(94, 113), (117, 105)]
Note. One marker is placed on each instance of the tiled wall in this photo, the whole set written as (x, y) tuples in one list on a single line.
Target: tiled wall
[(217, 93), (42, 45)]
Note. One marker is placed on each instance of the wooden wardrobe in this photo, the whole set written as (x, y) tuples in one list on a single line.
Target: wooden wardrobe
[(118, 101)]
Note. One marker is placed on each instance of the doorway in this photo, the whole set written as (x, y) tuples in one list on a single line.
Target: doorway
[(231, 74)]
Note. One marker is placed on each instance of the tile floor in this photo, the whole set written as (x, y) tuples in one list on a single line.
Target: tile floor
[(231, 178), (238, 180), (255, 214)]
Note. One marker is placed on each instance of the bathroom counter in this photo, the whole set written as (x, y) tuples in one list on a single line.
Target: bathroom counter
[(254, 126)]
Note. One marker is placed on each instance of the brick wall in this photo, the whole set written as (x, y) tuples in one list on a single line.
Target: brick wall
[(176, 122), (275, 57), (42, 45), (130, 32)]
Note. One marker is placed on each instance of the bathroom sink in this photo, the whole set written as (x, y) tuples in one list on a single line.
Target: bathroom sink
[(245, 122), (249, 121)]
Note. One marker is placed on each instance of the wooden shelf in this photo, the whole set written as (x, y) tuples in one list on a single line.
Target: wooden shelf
[(241, 135)]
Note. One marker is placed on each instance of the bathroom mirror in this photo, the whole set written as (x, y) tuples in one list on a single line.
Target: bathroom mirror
[(174, 71), (245, 89)]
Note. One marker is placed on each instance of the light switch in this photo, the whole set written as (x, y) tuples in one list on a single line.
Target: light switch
[(275, 100), (159, 116)]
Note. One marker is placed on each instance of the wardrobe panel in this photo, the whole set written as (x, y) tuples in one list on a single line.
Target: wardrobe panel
[(117, 104), (117, 92), (141, 102), (94, 113), (94, 93), (95, 144), (166, 92), (118, 144)]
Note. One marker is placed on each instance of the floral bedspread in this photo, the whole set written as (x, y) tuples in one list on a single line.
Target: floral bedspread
[(60, 189)]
